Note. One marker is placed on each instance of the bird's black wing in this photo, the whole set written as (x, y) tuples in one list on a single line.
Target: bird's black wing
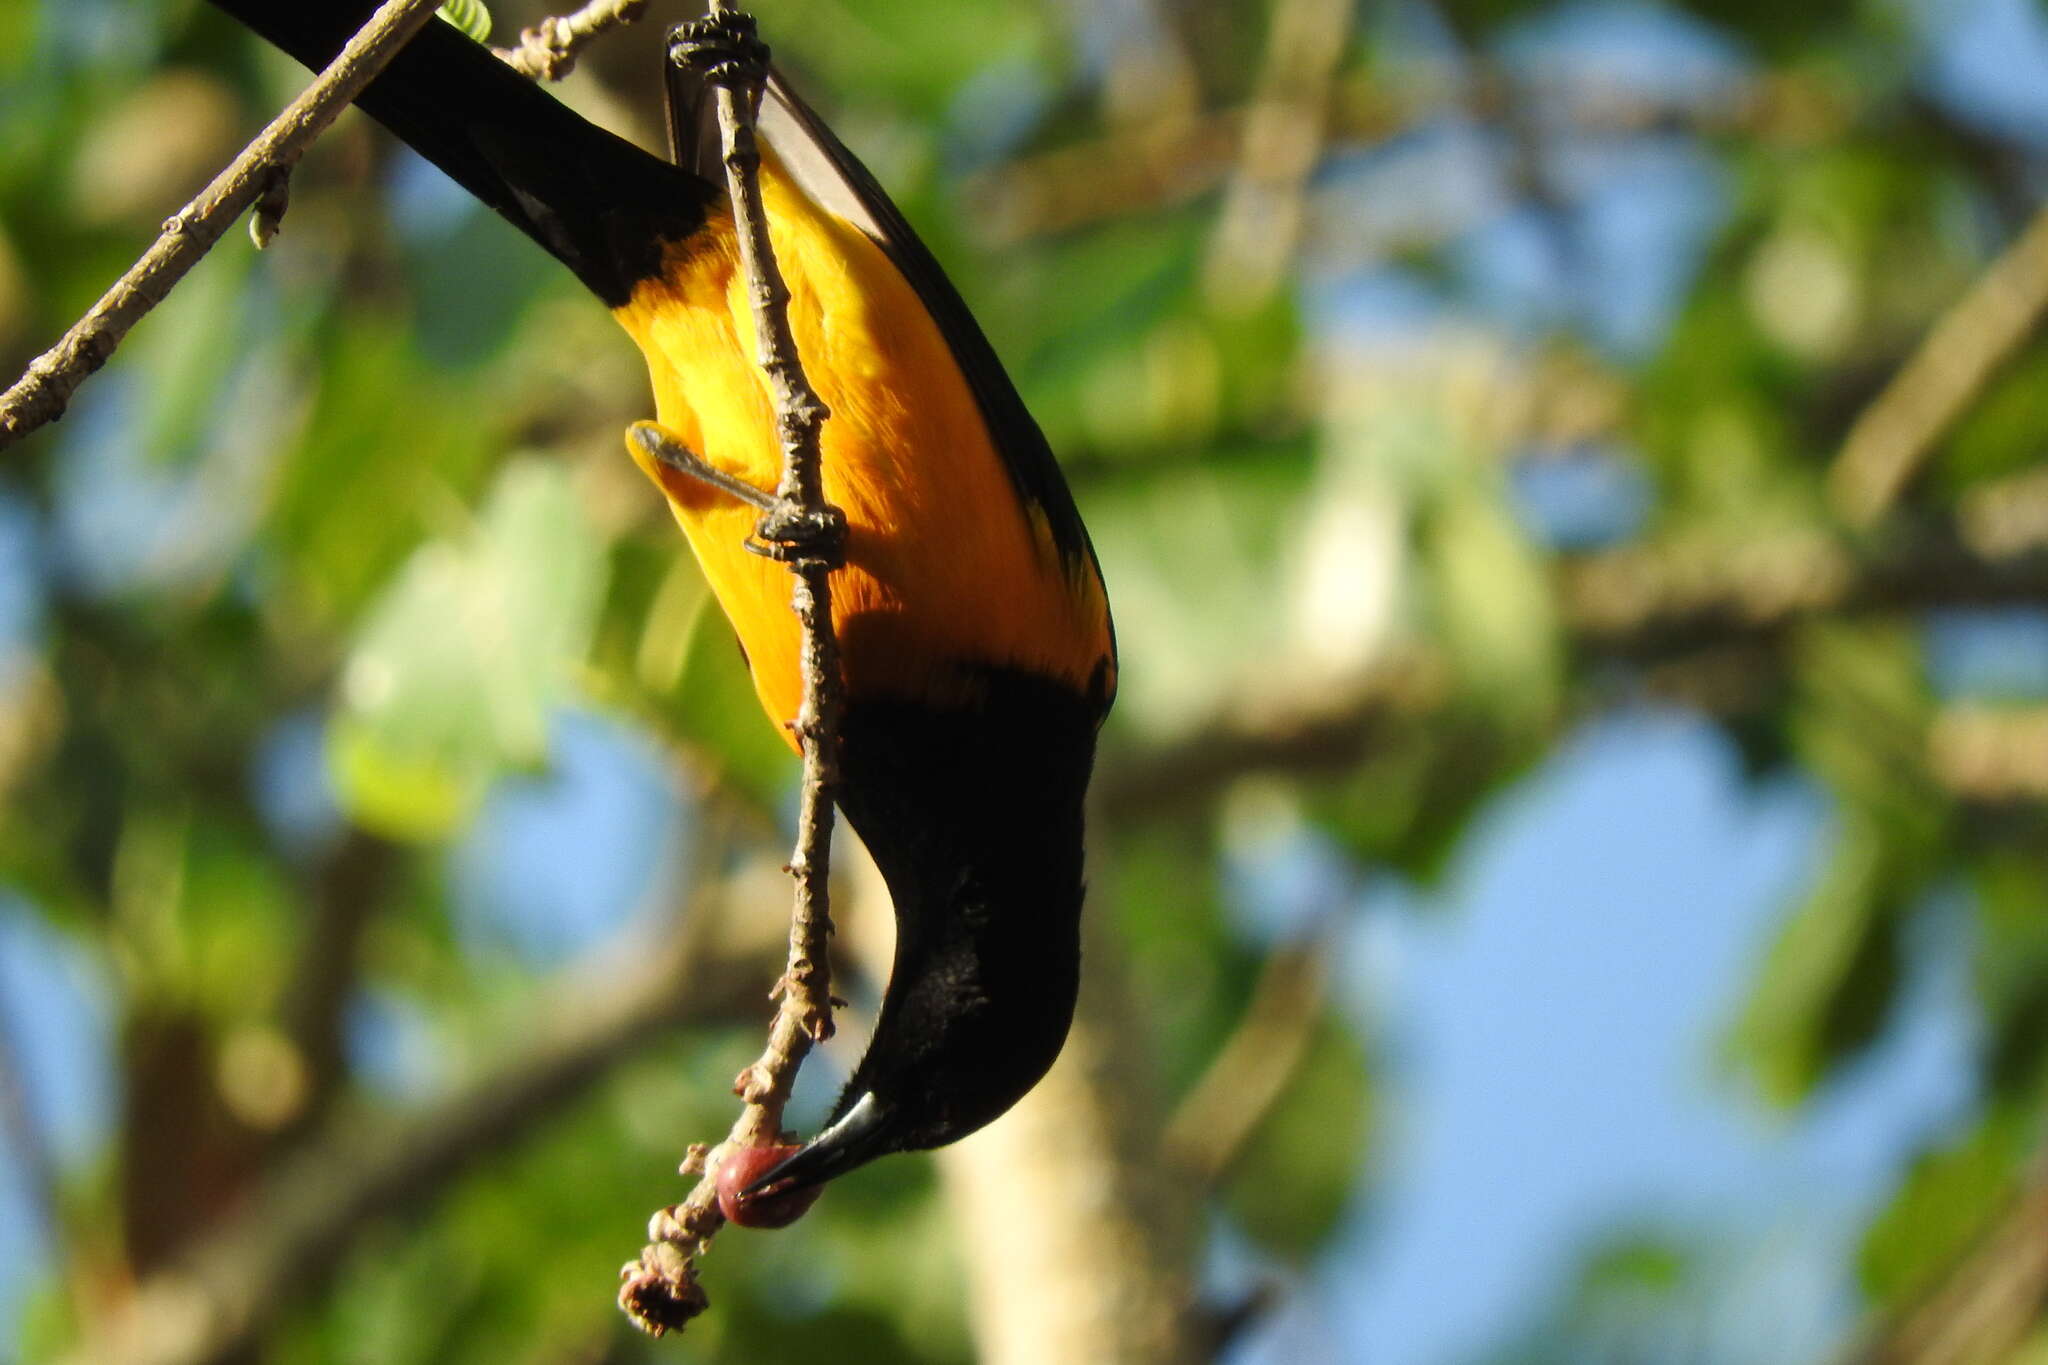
[(600, 205)]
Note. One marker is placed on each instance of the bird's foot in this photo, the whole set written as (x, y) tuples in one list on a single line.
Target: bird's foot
[(790, 533), (724, 48)]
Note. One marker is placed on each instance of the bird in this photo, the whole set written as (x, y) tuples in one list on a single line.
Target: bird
[(977, 649)]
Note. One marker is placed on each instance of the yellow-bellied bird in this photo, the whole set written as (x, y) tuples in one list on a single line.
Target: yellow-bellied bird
[(977, 648)]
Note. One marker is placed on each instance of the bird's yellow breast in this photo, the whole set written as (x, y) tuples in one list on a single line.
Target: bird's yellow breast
[(946, 566)]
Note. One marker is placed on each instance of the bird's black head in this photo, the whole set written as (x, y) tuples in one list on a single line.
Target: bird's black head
[(973, 814)]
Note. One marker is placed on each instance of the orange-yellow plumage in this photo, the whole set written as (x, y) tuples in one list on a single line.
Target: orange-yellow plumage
[(945, 565)]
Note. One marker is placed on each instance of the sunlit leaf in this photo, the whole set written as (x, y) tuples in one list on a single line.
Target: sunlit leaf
[(471, 16), (1494, 604), (454, 674), (1947, 1200), (1827, 986)]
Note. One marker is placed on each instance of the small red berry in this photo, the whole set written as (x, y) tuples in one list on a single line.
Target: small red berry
[(771, 1209)]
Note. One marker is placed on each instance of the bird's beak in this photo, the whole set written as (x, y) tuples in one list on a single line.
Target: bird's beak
[(846, 1144)]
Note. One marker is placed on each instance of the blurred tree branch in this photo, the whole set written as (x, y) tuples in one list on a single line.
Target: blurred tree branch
[(1997, 755), (1985, 1307), (1647, 605), (1149, 168), (1260, 222), (1657, 601), (349, 887), (224, 1294), (1250, 1073), (1980, 332)]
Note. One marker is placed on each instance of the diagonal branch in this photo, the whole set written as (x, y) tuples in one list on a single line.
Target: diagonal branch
[(1987, 1304), (41, 395), (1897, 433), (1261, 221), (1217, 1118)]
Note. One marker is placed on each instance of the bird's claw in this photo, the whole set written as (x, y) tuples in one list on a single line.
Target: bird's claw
[(792, 533), (724, 47)]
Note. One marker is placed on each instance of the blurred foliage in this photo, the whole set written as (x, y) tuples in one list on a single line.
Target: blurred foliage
[(460, 663), (317, 568)]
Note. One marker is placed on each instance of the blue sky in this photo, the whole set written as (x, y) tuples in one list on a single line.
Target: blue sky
[(1551, 1022)]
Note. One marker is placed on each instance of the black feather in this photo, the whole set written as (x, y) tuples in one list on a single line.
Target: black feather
[(602, 206)]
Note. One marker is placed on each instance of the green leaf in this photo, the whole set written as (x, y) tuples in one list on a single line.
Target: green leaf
[(1827, 986), (454, 674), (471, 16), (1494, 604), (1408, 803), (390, 441), (1222, 528), (2011, 961), (1861, 724), (716, 708), (1946, 1200), (185, 358)]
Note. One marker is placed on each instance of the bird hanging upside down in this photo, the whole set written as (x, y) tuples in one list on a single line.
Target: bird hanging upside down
[(975, 636)]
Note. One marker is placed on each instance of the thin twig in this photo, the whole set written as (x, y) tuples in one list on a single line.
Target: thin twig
[(1217, 1118), (1260, 225), (548, 51), (42, 393), (1897, 433), (659, 1290)]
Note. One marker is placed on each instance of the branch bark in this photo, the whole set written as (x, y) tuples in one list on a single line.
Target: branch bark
[(347, 890), (41, 394), (1260, 225), (1216, 1119), (1896, 435), (1657, 601), (1160, 166), (1985, 1308), (548, 50)]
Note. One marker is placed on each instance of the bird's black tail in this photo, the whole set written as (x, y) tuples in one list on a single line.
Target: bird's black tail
[(601, 205)]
